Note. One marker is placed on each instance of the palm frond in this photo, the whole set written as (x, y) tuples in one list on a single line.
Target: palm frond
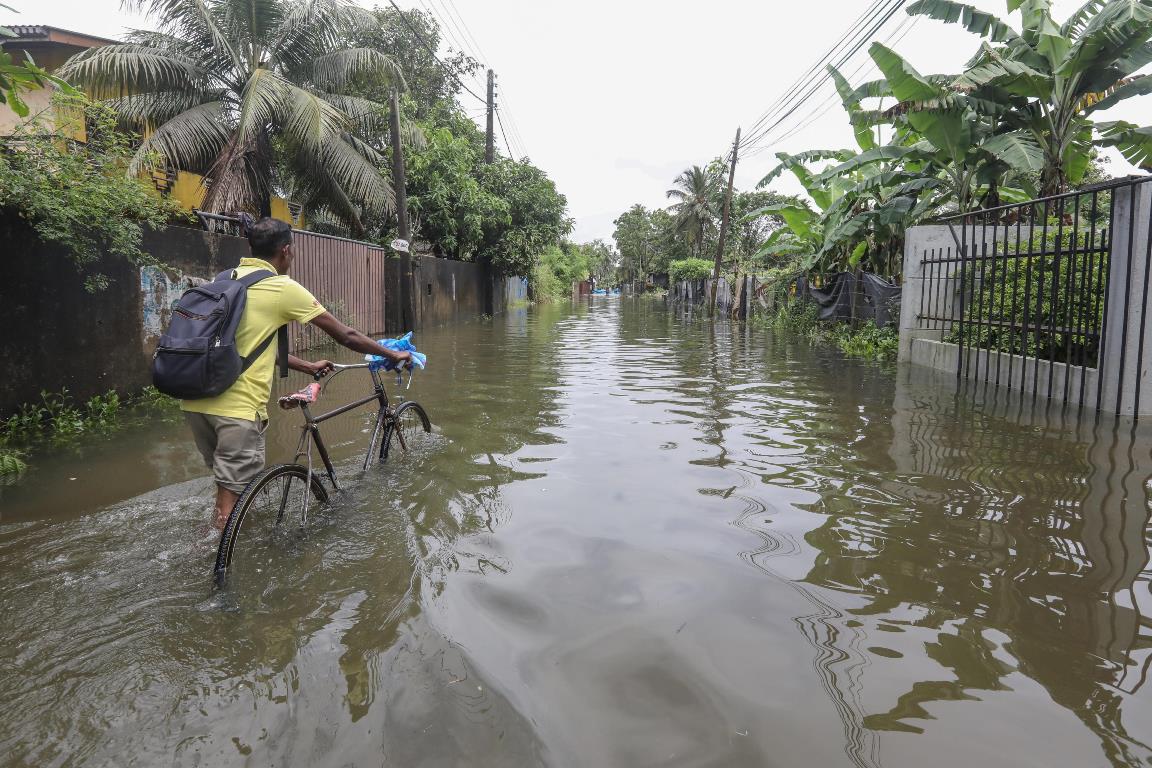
[(366, 115), (309, 120), (188, 19), (260, 102), (333, 71), (1134, 142), (1017, 149), (125, 67), (1074, 25), (145, 111), (192, 140)]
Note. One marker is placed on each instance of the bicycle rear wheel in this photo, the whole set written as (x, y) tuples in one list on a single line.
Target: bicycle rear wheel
[(261, 522), (408, 428)]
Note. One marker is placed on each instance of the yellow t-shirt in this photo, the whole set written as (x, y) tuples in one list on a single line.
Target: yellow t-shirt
[(272, 302)]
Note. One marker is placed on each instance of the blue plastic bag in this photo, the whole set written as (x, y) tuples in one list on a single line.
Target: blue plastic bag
[(402, 344)]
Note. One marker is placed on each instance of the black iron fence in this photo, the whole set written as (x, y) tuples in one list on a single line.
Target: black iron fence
[(1047, 297)]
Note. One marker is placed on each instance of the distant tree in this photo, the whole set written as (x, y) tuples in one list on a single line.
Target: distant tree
[(533, 217), (601, 260), (695, 194), (635, 239), (409, 37)]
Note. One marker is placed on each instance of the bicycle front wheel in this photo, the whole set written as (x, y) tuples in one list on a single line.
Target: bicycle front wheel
[(261, 523), (408, 428)]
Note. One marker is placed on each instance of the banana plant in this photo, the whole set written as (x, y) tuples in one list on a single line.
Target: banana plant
[(963, 139), (1063, 73)]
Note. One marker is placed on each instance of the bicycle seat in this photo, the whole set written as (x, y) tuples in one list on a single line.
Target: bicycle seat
[(309, 394)]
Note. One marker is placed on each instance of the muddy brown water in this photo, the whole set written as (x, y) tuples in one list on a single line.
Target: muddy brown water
[(636, 539)]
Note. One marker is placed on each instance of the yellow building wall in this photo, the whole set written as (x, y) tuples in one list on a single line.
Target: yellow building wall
[(53, 119), (188, 190)]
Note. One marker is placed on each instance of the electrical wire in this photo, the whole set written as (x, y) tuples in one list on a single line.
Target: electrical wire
[(453, 42), (458, 34), (432, 51), (790, 106), (849, 41), (514, 128), (500, 122), (895, 38), (467, 31), (815, 67)]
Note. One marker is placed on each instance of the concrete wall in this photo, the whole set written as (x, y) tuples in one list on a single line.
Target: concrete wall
[(1124, 372), (447, 291), (58, 335)]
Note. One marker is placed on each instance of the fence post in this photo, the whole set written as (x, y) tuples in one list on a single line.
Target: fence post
[(1124, 360)]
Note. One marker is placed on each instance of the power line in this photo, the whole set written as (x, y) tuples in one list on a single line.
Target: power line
[(457, 33), (453, 29), (789, 106), (467, 31), (866, 17), (898, 35), (514, 127), (500, 121), (432, 51)]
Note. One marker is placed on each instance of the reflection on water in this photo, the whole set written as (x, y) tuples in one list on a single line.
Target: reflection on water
[(638, 538)]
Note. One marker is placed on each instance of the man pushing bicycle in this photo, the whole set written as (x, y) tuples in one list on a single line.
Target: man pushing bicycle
[(229, 427)]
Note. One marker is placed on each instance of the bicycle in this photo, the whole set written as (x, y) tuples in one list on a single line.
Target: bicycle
[(260, 510)]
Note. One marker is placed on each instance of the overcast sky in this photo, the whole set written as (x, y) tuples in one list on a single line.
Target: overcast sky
[(613, 98)]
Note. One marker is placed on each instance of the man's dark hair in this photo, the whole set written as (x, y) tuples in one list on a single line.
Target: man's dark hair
[(267, 236)]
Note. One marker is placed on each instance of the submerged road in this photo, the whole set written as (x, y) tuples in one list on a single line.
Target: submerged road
[(637, 538)]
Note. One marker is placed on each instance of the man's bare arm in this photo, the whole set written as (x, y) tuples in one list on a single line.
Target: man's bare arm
[(318, 367), (351, 338)]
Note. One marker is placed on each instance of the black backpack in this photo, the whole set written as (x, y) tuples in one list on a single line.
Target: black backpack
[(197, 357)]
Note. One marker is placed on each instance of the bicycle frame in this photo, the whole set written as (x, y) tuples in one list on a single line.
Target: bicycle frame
[(311, 430)]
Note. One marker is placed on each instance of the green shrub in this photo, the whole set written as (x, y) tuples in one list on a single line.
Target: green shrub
[(867, 341), (546, 286), (79, 195), (12, 465), (153, 400), (802, 318), (1008, 295), (689, 269)]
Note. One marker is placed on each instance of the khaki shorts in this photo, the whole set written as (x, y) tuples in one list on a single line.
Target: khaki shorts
[(232, 448)]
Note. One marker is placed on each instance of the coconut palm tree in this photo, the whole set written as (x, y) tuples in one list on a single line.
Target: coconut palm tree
[(253, 95), (695, 194), (1065, 71)]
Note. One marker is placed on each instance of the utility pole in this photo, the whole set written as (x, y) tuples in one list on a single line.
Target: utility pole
[(724, 224), (490, 135), (487, 279), (407, 293)]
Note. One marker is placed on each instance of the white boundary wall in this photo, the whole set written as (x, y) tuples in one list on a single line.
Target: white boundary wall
[(1127, 339)]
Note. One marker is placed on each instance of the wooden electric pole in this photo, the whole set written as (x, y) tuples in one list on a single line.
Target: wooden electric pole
[(724, 225), (407, 293), (487, 279), (490, 134)]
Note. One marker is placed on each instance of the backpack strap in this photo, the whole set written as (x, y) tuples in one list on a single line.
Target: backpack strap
[(281, 333)]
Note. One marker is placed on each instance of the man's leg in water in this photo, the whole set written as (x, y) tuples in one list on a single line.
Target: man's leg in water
[(225, 501), (234, 450)]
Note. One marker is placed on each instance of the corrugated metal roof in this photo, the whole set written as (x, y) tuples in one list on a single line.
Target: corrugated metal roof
[(27, 33)]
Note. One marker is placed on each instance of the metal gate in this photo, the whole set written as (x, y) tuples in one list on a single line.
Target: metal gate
[(346, 277), (1049, 297)]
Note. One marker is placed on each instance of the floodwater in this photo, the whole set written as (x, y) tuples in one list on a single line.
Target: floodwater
[(636, 539)]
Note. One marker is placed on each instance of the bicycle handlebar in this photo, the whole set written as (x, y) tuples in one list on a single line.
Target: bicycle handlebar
[(338, 368)]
